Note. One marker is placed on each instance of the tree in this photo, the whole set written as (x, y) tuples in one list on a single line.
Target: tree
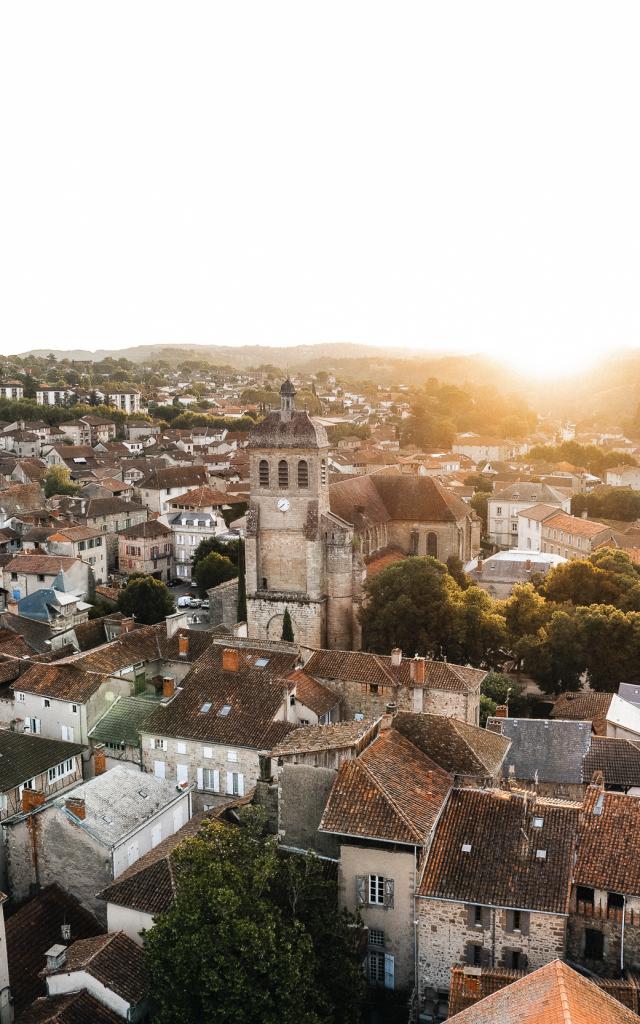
[(478, 633), (455, 568), (287, 627), (230, 549), (147, 599), (409, 605), (608, 576), (252, 935), (57, 480), (480, 504), (525, 612), (502, 689), (213, 570)]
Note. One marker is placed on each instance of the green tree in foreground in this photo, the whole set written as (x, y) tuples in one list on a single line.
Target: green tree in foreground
[(213, 570), (230, 549), (253, 935), (57, 480), (147, 599), (287, 627)]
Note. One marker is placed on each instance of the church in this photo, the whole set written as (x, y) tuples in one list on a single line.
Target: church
[(308, 541)]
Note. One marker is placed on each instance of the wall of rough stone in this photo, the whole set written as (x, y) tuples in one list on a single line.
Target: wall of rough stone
[(193, 757), (443, 935), (303, 792), (609, 924)]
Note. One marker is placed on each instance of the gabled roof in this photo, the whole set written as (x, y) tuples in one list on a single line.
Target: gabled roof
[(149, 530), (485, 851), (162, 478), (391, 792), (382, 497), (618, 759), (345, 735), (585, 706), (457, 747), (45, 565), (318, 698), (360, 667), (554, 994), (23, 756), (74, 1008), (542, 749), (204, 497), (115, 960), (32, 929), (124, 720), (606, 857)]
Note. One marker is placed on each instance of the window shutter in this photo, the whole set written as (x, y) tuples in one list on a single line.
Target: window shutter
[(240, 785), (229, 782), (471, 915), (200, 779), (468, 952), (486, 917), (388, 893), (508, 920), (524, 923), (216, 780), (485, 957), (388, 971), (361, 890)]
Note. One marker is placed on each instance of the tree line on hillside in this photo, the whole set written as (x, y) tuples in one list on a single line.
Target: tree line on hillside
[(582, 456), (582, 617)]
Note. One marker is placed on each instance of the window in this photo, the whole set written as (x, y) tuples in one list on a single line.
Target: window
[(181, 748), (615, 901), (263, 473), (477, 915), (376, 937), (60, 770), (14, 575), (376, 889), (376, 968), (593, 944), (585, 898), (235, 784), (432, 544), (66, 731), (74, 708), (515, 959), (283, 473), (232, 755), (207, 752), (159, 769), (32, 725), (46, 703), (20, 697), (303, 473), (211, 780), (158, 744), (499, 510)]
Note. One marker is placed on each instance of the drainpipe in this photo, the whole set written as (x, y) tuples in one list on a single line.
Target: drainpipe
[(624, 909), (415, 933)]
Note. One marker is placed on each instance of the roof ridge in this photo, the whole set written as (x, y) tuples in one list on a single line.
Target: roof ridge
[(403, 817), (562, 991), (384, 668), (464, 739)]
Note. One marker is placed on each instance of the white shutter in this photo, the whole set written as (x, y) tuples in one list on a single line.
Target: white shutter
[(158, 769), (240, 785), (182, 773), (69, 732), (207, 751), (388, 971), (200, 779), (63, 732), (36, 725), (216, 780), (230, 782)]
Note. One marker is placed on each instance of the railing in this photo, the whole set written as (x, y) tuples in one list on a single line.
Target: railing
[(604, 913)]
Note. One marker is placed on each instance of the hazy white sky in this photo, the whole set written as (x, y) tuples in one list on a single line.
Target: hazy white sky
[(438, 175)]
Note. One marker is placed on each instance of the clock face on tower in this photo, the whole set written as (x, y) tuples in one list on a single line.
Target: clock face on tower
[(283, 504)]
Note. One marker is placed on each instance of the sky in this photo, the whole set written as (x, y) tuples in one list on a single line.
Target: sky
[(438, 175)]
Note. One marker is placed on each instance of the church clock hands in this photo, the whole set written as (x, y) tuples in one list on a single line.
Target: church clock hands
[(283, 505)]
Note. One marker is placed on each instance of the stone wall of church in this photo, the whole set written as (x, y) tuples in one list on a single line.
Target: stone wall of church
[(265, 615), (449, 539)]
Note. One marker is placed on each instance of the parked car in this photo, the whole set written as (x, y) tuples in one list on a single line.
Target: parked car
[(193, 583), (195, 602), (184, 601), (205, 603)]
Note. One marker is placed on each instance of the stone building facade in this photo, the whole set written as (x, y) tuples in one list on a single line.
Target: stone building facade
[(306, 540)]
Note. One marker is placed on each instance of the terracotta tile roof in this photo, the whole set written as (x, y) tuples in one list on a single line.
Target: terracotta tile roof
[(471, 984), (359, 667), (391, 792), (115, 960), (254, 694), (590, 707), (457, 747), (383, 561), (554, 994), (60, 681), (618, 759), (160, 479), (149, 885), (312, 694), (392, 496), (75, 533), (337, 736), (606, 859), (502, 868), (75, 1008), (48, 565), (539, 512), (33, 929), (149, 530), (203, 497), (575, 526)]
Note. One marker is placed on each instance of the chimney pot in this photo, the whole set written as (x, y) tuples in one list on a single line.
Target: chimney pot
[(231, 660), (387, 720), (168, 687), (77, 807), (99, 761), (31, 798), (502, 711), (417, 670), (183, 646), (266, 775), (480, 565), (396, 657), (56, 957)]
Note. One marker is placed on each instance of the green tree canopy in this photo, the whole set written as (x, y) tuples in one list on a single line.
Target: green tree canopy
[(608, 576), (57, 480), (230, 549), (253, 935), (287, 627), (147, 599), (212, 570)]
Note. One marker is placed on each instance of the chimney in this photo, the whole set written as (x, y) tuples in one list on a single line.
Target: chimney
[(396, 657), (56, 957), (502, 711), (126, 625), (230, 660), (183, 646), (31, 798), (77, 807), (480, 565), (168, 687), (387, 720), (266, 775), (417, 669), (99, 761)]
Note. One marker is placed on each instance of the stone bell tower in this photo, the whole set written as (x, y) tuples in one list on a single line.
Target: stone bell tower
[(285, 545)]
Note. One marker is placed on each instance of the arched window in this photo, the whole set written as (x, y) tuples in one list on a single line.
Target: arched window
[(432, 544), (283, 473), (263, 473), (303, 473)]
